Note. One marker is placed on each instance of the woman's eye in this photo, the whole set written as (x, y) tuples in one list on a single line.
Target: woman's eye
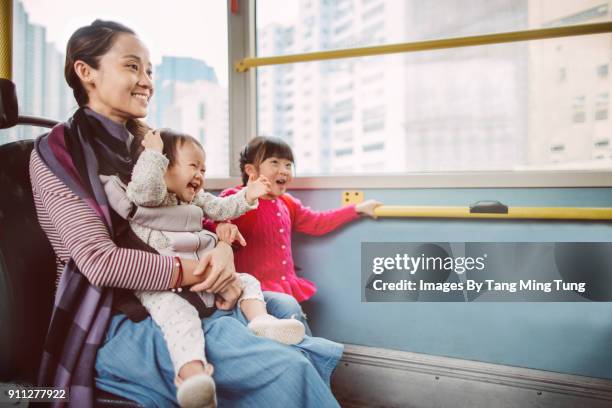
[(133, 66)]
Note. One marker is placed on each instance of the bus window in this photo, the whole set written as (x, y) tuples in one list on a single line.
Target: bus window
[(189, 72)]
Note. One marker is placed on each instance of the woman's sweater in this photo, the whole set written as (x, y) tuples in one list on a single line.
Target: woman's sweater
[(74, 230)]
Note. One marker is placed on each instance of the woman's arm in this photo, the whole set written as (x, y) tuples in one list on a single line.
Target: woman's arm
[(88, 242)]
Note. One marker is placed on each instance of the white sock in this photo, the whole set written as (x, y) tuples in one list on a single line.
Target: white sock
[(286, 331), (197, 392)]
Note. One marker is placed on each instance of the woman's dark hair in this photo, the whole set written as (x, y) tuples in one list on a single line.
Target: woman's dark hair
[(171, 138), (261, 148), (89, 44)]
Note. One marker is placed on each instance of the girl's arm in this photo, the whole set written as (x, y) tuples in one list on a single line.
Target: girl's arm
[(320, 222), (148, 188)]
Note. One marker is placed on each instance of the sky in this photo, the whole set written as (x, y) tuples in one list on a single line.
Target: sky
[(187, 28)]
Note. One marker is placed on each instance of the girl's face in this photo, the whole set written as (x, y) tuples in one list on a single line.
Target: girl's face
[(278, 171), (121, 87), (185, 177)]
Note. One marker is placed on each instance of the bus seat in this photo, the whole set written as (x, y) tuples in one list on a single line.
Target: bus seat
[(27, 275), (8, 104)]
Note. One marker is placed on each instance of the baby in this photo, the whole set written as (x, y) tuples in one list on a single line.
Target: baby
[(169, 176)]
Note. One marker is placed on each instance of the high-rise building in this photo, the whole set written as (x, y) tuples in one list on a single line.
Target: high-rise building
[(445, 110), (38, 74), (189, 99), (172, 69), (570, 115)]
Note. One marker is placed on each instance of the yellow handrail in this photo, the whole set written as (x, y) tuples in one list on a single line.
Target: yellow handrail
[(6, 41), (554, 213), (499, 38)]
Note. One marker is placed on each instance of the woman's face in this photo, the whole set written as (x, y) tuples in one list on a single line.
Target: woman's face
[(121, 87)]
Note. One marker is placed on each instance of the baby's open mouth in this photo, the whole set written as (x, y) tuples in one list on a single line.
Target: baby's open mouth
[(281, 182)]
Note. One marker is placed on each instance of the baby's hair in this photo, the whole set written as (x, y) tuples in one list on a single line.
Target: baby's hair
[(171, 138), (261, 148)]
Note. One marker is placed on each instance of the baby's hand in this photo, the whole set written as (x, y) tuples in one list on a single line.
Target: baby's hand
[(257, 188), (227, 298), (367, 208), (229, 233), (152, 140)]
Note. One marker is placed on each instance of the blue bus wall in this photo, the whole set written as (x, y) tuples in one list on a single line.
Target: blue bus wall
[(574, 338)]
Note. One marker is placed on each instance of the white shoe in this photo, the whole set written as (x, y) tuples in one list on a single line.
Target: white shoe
[(286, 331), (197, 392)]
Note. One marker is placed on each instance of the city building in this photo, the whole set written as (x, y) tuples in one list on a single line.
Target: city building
[(402, 112), (570, 121)]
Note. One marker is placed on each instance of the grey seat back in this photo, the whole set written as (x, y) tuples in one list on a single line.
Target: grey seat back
[(27, 269)]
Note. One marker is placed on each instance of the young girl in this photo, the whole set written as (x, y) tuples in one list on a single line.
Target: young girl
[(169, 173), (269, 257)]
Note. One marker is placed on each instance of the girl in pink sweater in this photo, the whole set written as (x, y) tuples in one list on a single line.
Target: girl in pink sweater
[(268, 255)]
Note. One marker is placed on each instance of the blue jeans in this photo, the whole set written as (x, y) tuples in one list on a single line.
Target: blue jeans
[(285, 306), (250, 371)]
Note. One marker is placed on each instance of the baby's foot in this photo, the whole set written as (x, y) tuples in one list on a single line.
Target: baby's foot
[(197, 391), (286, 331)]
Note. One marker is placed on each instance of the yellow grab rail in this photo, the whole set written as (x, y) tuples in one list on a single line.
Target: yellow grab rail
[(6, 41), (499, 38), (554, 213)]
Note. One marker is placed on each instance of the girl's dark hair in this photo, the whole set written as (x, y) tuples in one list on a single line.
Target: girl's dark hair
[(261, 148), (89, 44), (171, 138)]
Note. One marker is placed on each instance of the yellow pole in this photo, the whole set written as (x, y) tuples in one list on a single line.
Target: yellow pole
[(499, 38), (6, 38), (551, 213)]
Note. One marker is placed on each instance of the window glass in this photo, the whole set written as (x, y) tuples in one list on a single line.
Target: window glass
[(516, 106), (188, 46)]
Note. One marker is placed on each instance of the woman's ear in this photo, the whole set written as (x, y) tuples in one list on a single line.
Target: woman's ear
[(85, 72)]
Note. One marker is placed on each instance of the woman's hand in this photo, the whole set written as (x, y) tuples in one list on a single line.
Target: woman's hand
[(227, 298), (367, 208), (229, 233), (153, 140), (218, 265)]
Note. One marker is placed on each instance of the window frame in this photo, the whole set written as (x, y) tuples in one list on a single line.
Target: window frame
[(243, 126)]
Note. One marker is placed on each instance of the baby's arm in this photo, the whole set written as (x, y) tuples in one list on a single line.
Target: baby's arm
[(147, 187), (224, 208), (233, 206)]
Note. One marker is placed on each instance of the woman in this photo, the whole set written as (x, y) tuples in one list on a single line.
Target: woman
[(109, 70)]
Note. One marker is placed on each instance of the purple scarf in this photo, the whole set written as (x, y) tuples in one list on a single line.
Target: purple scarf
[(77, 152)]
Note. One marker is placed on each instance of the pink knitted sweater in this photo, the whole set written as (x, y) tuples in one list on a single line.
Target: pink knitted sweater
[(267, 230)]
